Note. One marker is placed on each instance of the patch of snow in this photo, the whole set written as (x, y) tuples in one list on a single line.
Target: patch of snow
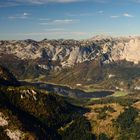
[(111, 75)]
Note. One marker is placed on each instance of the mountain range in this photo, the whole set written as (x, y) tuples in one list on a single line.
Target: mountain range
[(70, 89), (72, 62)]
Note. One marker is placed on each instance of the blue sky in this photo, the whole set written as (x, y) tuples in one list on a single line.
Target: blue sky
[(77, 19)]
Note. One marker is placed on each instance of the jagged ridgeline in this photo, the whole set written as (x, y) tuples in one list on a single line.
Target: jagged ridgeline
[(72, 62), (30, 114)]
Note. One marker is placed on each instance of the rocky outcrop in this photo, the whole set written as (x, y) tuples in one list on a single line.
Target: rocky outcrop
[(128, 51), (7, 78)]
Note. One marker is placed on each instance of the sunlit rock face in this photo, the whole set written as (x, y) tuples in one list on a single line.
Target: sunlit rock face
[(128, 51), (58, 54)]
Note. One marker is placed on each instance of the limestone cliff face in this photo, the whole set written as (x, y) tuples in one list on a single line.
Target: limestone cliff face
[(129, 51), (57, 54)]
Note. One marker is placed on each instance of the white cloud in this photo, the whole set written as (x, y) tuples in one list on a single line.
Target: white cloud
[(44, 19), (9, 3), (26, 14), (122, 15), (20, 16), (63, 21), (80, 15), (114, 16), (128, 15), (84, 14), (60, 21)]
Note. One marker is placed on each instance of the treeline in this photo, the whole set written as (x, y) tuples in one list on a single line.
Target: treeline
[(124, 101)]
